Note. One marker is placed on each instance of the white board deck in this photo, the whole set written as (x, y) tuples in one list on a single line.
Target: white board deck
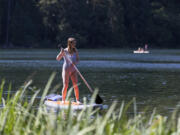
[(59, 105)]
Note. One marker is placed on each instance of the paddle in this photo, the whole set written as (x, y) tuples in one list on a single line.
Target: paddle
[(98, 99)]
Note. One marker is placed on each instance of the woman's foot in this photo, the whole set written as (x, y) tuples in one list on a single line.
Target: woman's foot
[(78, 102), (62, 102)]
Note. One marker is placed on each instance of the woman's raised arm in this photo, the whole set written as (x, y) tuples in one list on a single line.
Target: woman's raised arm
[(60, 55)]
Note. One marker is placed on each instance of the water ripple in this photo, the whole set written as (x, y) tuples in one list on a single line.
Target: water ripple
[(90, 64)]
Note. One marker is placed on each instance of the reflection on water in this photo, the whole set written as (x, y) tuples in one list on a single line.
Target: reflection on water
[(119, 74)]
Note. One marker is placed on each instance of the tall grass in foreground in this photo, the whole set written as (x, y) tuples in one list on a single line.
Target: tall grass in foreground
[(19, 117)]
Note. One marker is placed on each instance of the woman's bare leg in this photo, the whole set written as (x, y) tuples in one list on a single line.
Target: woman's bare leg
[(74, 79), (65, 77)]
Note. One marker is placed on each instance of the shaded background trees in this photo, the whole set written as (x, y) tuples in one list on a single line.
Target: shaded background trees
[(95, 23)]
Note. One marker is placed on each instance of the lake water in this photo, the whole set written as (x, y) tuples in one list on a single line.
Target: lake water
[(118, 74)]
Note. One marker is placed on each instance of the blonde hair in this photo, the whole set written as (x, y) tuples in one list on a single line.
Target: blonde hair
[(69, 45)]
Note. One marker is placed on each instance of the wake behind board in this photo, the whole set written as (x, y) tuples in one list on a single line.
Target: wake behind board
[(54, 101)]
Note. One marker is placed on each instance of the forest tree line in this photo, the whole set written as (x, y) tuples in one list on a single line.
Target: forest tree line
[(94, 23)]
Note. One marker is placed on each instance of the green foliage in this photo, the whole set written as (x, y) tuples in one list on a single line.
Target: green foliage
[(19, 116), (0, 16), (2, 5), (26, 27), (95, 23)]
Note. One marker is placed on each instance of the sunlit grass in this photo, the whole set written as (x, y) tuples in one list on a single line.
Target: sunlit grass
[(18, 116)]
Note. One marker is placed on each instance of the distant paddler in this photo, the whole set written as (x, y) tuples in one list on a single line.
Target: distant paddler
[(68, 69), (142, 50)]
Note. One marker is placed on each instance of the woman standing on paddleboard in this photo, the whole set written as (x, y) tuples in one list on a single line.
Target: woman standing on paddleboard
[(70, 55)]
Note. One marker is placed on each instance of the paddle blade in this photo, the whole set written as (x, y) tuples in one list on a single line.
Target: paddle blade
[(98, 100)]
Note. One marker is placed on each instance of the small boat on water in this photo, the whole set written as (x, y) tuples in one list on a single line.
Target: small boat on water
[(142, 50), (53, 101), (137, 51)]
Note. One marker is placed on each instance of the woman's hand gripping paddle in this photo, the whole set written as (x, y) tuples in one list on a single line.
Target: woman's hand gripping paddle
[(98, 99)]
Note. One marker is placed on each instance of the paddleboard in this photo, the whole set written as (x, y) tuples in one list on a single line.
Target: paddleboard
[(54, 101), (59, 105)]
